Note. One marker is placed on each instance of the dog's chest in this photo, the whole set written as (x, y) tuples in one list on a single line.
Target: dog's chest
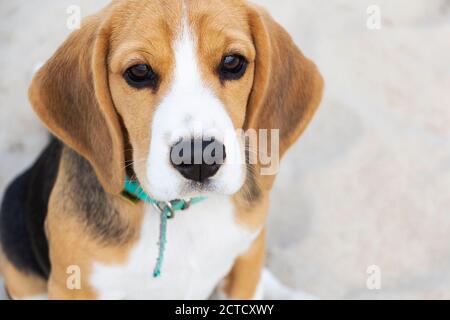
[(202, 244)]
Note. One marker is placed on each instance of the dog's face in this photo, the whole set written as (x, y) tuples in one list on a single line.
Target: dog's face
[(182, 76), (144, 82)]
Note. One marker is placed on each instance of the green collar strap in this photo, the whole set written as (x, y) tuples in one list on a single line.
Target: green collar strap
[(167, 209)]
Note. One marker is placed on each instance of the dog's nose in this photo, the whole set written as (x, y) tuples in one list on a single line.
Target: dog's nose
[(198, 159)]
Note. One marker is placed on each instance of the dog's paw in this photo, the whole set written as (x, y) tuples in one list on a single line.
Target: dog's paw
[(269, 288), (275, 290)]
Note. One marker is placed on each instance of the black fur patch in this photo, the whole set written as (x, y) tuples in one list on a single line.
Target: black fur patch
[(251, 192), (25, 204), (87, 194), (23, 212)]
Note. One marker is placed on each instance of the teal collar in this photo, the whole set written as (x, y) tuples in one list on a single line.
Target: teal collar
[(167, 209), (134, 189)]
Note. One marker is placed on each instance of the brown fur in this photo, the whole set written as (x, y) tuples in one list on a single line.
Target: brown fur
[(242, 281), (82, 98), (20, 284), (74, 242), (63, 97)]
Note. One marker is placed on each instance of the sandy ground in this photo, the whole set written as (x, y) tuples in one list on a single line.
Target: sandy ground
[(368, 183)]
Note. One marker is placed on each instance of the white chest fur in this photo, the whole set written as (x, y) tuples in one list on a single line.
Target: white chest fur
[(202, 244)]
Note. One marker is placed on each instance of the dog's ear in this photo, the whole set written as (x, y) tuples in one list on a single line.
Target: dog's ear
[(287, 86), (70, 94)]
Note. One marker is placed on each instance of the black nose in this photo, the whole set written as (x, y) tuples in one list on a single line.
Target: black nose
[(199, 159)]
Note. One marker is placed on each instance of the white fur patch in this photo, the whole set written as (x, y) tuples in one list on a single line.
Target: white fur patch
[(273, 289), (202, 244), (190, 109)]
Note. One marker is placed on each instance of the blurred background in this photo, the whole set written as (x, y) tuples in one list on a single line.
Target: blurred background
[(368, 184)]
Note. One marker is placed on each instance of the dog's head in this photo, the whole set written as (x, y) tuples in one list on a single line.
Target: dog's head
[(143, 81)]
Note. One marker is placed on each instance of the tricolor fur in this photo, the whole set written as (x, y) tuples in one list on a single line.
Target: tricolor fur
[(106, 129)]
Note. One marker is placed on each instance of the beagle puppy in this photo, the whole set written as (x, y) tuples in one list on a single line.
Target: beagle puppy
[(118, 96)]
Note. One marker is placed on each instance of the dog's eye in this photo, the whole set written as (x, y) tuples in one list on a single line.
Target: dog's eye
[(141, 76), (232, 67)]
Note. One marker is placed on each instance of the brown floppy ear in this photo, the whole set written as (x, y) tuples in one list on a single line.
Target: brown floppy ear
[(287, 87), (70, 94)]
